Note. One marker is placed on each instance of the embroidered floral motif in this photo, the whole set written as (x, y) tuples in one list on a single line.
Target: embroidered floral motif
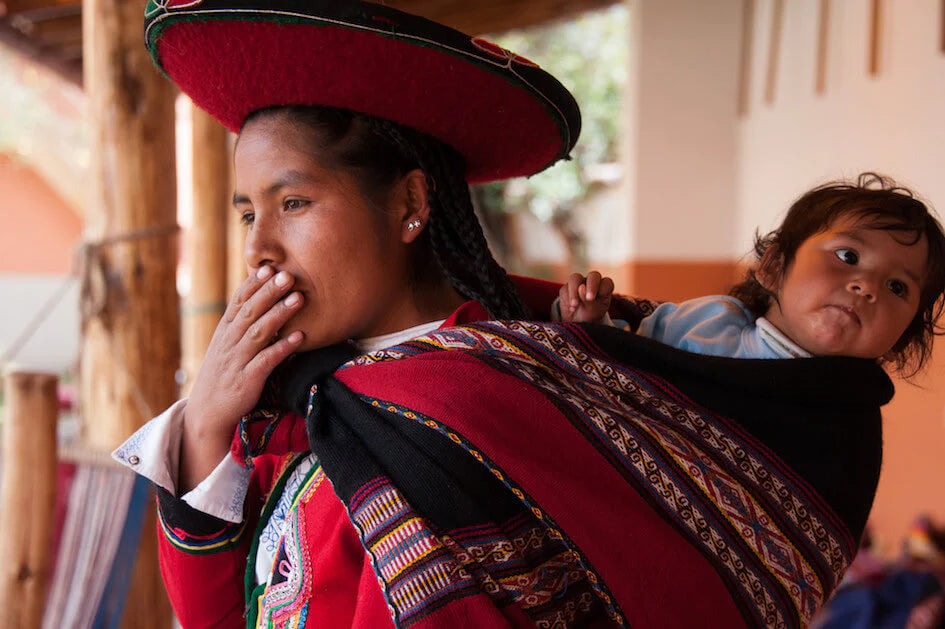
[(498, 52), (284, 605), (168, 5)]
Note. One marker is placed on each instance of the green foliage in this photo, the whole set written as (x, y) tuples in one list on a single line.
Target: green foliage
[(589, 56)]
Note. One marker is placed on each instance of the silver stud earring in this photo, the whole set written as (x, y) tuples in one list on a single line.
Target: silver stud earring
[(414, 224)]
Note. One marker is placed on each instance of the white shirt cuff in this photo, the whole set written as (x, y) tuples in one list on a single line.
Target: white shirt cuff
[(154, 451)]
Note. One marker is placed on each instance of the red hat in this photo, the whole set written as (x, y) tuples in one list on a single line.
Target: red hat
[(507, 116)]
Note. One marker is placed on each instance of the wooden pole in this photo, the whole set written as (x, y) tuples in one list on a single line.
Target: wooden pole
[(876, 36), (747, 52), (207, 240), (774, 51), (823, 50), (28, 496), (130, 325), (235, 239)]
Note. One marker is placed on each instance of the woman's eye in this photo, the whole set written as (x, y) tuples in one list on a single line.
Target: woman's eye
[(294, 204), (847, 256), (897, 288), (246, 218)]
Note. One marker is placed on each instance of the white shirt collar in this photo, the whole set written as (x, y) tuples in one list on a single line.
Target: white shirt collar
[(375, 343), (778, 341)]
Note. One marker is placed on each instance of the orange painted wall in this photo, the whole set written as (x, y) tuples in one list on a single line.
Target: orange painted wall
[(913, 478), (39, 230), (666, 280)]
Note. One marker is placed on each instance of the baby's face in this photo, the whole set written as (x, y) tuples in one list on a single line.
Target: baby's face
[(851, 290)]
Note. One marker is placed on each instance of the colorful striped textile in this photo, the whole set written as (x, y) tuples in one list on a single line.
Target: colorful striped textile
[(100, 512)]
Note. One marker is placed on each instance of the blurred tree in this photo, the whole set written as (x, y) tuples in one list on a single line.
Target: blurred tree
[(589, 56)]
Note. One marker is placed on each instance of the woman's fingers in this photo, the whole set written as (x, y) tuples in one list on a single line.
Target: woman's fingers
[(259, 333), (258, 302), (246, 290), (269, 358)]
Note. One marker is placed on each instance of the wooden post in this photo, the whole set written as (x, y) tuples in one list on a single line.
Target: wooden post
[(207, 240), (130, 324), (235, 240), (28, 496)]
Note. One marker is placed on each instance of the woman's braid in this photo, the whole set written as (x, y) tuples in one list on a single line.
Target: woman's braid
[(458, 243)]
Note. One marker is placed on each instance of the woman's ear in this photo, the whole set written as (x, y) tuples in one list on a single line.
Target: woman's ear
[(416, 214), (771, 269)]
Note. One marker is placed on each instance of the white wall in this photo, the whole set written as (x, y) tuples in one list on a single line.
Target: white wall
[(893, 123), (53, 346), (683, 162)]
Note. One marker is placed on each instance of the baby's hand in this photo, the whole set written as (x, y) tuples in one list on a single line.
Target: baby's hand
[(585, 300)]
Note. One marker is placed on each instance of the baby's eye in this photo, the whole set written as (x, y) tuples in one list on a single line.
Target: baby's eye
[(246, 218), (847, 256), (897, 288)]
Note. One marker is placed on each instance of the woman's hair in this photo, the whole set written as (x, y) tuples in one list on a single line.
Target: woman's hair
[(379, 153), (882, 204)]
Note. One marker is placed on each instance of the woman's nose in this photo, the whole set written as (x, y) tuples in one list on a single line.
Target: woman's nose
[(863, 288), (262, 245)]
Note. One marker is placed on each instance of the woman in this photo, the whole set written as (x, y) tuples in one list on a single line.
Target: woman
[(479, 473)]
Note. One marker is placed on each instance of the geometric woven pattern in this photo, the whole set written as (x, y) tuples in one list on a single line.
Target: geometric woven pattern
[(731, 498), (521, 563)]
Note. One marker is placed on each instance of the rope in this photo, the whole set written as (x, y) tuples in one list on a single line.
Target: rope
[(91, 270), (89, 261)]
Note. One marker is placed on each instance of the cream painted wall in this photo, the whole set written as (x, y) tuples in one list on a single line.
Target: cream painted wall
[(683, 151), (893, 123)]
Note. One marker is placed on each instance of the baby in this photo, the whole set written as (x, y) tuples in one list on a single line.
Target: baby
[(854, 270)]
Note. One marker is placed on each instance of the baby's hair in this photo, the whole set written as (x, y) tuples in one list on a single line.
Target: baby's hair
[(881, 204), (380, 152)]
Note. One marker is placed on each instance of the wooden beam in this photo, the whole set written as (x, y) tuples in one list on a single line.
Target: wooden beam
[(30, 48), (9, 7), (59, 31), (28, 497), (495, 16), (747, 52), (130, 348), (207, 239)]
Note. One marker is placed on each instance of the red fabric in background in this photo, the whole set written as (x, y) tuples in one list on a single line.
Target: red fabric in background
[(65, 474)]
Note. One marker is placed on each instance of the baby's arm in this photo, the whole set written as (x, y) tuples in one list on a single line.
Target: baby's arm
[(586, 299)]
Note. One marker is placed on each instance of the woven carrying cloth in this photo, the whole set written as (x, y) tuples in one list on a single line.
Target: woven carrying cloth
[(528, 474), (501, 111)]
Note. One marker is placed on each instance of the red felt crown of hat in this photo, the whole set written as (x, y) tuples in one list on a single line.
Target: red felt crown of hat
[(502, 112)]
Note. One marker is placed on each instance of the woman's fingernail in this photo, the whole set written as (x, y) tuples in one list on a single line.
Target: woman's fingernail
[(293, 300), (282, 279), (264, 272), (295, 337)]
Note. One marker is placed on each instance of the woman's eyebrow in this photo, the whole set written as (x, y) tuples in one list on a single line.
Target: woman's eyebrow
[(283, 180)]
